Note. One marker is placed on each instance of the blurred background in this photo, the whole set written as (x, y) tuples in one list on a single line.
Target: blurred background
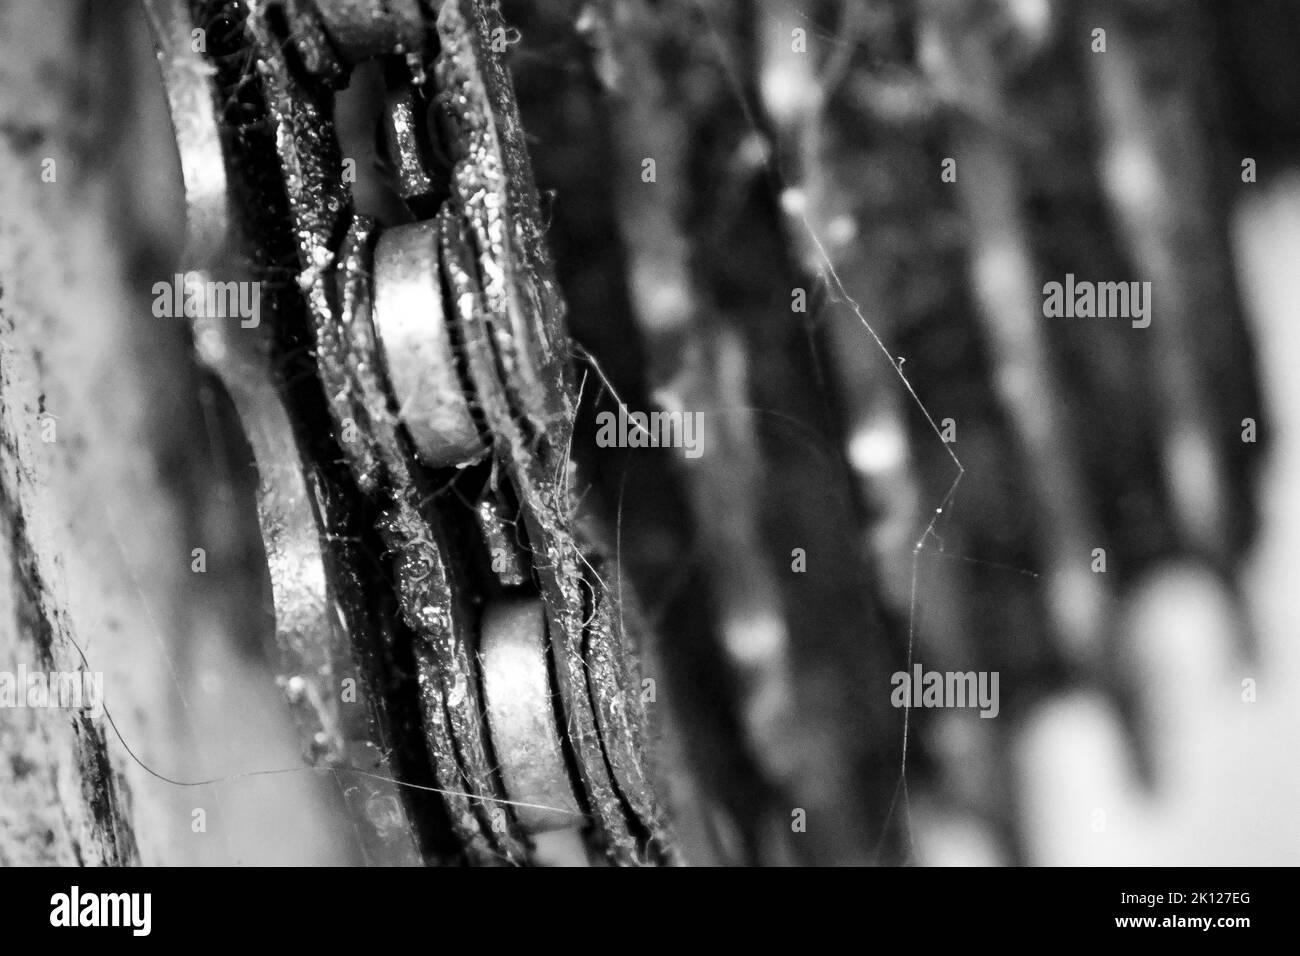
[(836, 257)]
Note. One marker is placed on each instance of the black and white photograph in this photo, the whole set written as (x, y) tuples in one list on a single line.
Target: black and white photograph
[(728, 434)]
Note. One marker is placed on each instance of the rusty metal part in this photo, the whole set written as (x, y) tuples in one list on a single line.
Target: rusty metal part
[(500, 534), (401, 119), (511, 318), (315, 648), (493, 180), (317, 52), (417, 347), (517, 691), (454, 734), (426, 338), (559, 570), (366, 28), (427, 587)]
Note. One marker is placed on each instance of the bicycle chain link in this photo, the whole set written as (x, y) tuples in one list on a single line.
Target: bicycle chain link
[(440, 350)]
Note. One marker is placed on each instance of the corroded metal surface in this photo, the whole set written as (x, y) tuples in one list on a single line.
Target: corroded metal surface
[(515, 317), (435, 345), (364, 28), (315, 650)]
